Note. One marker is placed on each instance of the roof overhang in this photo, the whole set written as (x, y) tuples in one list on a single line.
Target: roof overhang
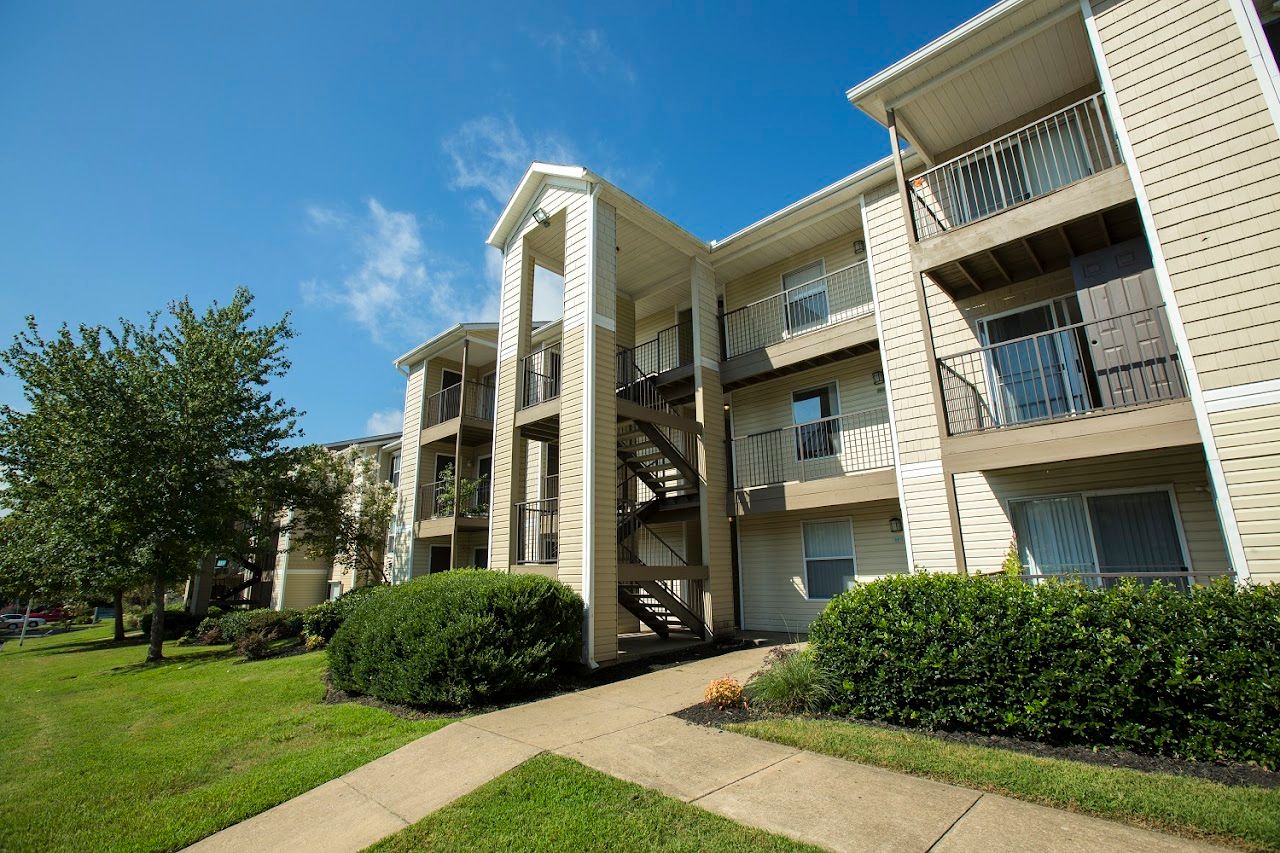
[(450, 336)]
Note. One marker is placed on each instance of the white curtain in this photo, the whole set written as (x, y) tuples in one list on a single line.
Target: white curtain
[(1053, 535), (828, 552)]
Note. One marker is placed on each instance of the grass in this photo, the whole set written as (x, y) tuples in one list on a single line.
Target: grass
[(554, 803), (1243, 817), (103, 753)]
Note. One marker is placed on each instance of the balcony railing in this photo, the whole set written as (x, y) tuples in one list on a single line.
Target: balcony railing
[(834, 298), (669, 349), (538, 531), (1118, 362), (435, 500), (540, 376), (1044, 156), (445, 404), (830, 447)]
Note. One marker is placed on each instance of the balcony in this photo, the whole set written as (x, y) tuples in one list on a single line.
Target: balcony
[(836, 297), (540, 377), (1033, 161), (445, 405), (435, 500), (830, 447), (1119, 362), (670, 349), (538, 531)]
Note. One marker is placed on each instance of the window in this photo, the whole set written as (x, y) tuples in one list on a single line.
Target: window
[(551, 471), (449, 378), (335, 589), (805, 292), (817, 428), (393, 476), (1034, 374), (828, 557)]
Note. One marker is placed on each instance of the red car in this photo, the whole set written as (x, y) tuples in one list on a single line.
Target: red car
[(53, 614)]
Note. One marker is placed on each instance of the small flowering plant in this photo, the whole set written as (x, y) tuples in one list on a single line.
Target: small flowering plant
[(724, 692)]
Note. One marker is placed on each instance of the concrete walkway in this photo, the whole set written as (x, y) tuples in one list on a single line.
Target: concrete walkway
[(625, 729)]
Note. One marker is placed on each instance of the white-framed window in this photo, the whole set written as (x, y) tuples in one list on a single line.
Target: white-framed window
[(829, 564), (393, 476), (815, 413), (335, 589), (805, 294)]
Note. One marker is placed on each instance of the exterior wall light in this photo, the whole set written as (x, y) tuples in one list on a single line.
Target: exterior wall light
[(859, 247), (877, 377), (540, 217), (895, 525)]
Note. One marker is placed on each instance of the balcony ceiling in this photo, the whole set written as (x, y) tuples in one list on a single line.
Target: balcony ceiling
[(957, 90), (1040, 253)]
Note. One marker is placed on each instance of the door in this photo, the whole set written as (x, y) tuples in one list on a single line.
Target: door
[(441, 559), (440, 506), (484, 474), (1053, 535), (480, 557), (1131, 353), (684, 326), (449, 399), (1034, 372), (1136, 532), (805, 292)]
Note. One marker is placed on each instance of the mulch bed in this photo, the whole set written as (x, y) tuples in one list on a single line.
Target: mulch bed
[(1224, 772)]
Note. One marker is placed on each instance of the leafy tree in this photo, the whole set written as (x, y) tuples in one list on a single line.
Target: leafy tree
[(345, 512), (138, 443)]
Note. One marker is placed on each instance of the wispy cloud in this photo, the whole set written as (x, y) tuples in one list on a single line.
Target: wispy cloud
[(392, 292), (490, 153), (586, 51), (380, 423)]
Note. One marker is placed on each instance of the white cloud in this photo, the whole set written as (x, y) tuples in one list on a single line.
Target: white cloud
[(548, 295), (491, 153), (391, 293), (588, 52), (380, 423)]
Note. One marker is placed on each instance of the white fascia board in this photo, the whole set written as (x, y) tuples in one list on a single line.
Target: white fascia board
[(446, 337), (930, 50), (524, 193)]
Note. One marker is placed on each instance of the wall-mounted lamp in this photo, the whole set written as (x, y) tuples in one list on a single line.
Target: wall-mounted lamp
[(540, 217), (877, 377), (895, 525), (859, 247)]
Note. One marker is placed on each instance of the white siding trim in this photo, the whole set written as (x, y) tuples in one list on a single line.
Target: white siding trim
[(1264, 64), (1242, 396), (919, 471), (608, 322), (589, 434), (888, 387), (1217, 476)]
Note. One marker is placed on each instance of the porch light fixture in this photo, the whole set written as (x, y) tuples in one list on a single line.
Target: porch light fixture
[(540, 217), (895, 525), (859, 247), (877, 377)]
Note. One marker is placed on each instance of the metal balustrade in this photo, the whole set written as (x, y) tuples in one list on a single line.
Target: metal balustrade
[(669, 349), (830, 447), (1030, 162), (1116, 362), (434, 500), (538, 531), (445, 404), (834, 298), (540, 376)]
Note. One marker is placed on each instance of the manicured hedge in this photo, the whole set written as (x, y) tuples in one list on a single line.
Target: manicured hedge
[(1150, 669), (458, 638), (324, 619), (235, 626)]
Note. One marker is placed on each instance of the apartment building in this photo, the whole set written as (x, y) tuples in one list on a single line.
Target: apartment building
[(1048, 319)]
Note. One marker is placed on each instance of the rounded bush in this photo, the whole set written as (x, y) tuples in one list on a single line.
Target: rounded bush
[(458, 638), (324, 619), (1147, 668)]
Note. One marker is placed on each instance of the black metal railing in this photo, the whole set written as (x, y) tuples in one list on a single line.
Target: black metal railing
[(669, 349), (538, 531), (479, 402), (435, 500), (834, 298), (830, 447), (639, 387), (1030, 162), (540, 376), (443, 405), (1117, 362)]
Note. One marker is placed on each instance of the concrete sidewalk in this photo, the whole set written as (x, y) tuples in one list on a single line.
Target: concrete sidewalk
[(625, 729)]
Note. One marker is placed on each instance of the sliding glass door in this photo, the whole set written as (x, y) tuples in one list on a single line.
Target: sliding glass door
[(1100, 533)]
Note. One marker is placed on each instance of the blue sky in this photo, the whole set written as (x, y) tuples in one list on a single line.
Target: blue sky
[(346, 161)]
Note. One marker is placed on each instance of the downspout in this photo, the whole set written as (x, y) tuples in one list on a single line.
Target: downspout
[(589, 434)]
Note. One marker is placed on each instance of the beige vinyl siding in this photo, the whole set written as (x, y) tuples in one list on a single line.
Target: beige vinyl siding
[(767, 406), (647, 327), (771, 561), (767, 281), (1208, 151), (983, 499), (1249, 445), (406, 499), (306, 580)]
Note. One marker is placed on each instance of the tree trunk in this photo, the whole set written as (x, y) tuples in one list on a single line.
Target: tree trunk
[(119, 602), (155, 651)]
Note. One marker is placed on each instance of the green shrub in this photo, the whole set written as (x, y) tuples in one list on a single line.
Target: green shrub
[(232, 627), (791, 681), (1146, 668), (458, 638), (253, 646), (177, 622), (324, 619)]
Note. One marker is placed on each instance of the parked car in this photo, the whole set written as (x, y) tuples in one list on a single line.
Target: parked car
[(53, 614), (14, 620)]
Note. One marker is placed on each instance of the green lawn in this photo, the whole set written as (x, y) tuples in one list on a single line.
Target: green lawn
[(1244, 817), (102, 753), (553, 803)]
